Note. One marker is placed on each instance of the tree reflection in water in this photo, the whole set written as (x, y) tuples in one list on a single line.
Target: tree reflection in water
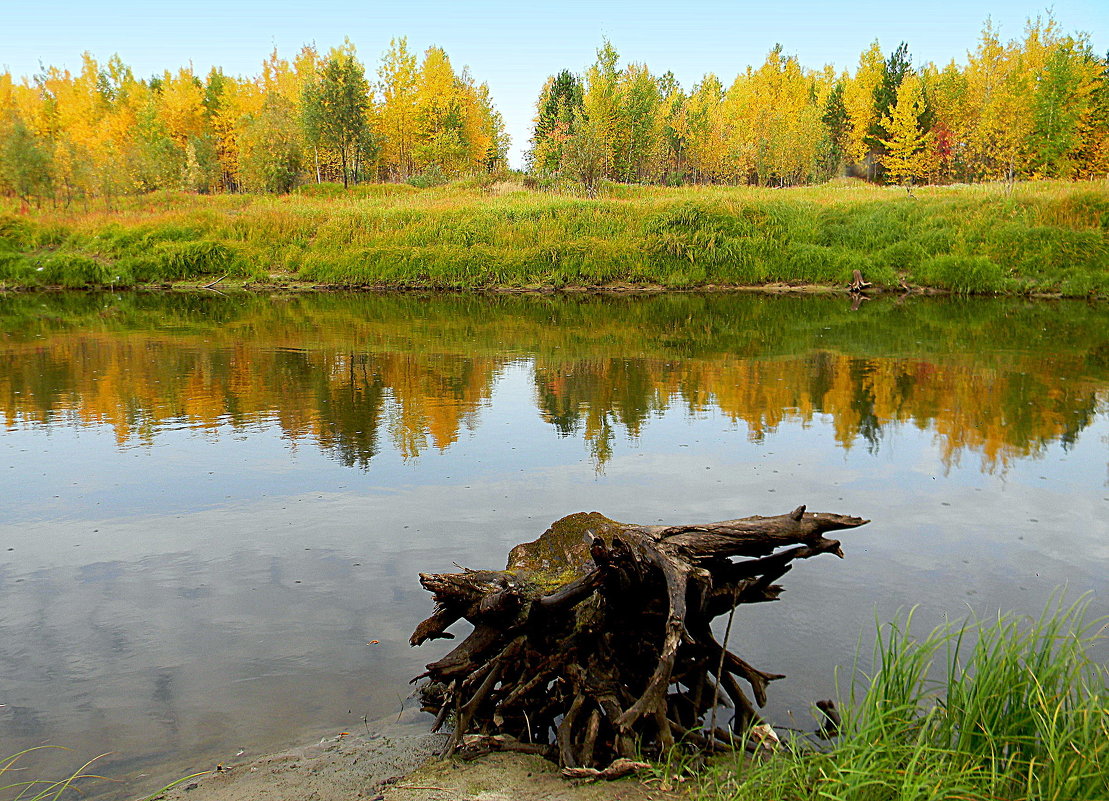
[(355, 373)]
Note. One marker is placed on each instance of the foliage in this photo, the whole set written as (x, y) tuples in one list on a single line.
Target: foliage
[(1037, 107), (270, 157), (896, 68), (335, 107), (24, 161), (906, 156), (560, 110), (1034, 107), (433, 176), (104, 133)]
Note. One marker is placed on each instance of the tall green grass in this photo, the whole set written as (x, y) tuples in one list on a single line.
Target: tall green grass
[(1019, 711), (1044, 237)]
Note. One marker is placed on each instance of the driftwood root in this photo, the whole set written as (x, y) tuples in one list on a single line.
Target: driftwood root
[(595, 644)]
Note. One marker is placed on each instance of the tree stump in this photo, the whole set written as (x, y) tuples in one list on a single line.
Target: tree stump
[(858, 283), (595, 642)]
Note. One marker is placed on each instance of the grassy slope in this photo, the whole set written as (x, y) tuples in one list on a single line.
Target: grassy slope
[(1042, 237)]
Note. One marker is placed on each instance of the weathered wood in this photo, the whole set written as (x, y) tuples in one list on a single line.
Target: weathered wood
[(595, 643)]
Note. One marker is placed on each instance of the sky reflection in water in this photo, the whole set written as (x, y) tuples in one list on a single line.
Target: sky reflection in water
[(210, 507)]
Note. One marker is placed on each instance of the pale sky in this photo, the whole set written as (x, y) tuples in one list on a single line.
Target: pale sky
[(514, 46)]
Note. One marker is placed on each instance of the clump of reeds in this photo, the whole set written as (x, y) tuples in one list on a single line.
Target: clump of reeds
[(1020, 711)]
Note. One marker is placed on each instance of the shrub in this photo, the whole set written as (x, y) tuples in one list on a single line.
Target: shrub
[(179, 260)]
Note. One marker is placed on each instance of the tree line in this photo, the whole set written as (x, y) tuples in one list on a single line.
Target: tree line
[(1035, 107), (104, 132)]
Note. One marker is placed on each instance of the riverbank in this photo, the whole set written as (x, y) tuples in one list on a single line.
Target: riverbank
[(1031, 238), (1007, 707), (404, 769), (1019, 713)]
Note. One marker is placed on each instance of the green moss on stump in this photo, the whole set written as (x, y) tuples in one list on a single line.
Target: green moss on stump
[(561, 553)]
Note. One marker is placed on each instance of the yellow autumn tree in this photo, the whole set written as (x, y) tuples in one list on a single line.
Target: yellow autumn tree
[(998, 90), (229, 105), (179, 107), (858, 99), (397, 76), (706, 143), (597, 132), (908, 156), (638, 141), (946, 93), (440, 139), (774, 122), (78, 108)]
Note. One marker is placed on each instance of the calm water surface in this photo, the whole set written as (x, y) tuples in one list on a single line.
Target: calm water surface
[(211, 506)]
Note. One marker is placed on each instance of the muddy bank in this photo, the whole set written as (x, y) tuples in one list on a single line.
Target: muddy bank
[(387, 767)]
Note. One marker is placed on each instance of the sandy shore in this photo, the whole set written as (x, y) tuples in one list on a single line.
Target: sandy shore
[(392, 766)]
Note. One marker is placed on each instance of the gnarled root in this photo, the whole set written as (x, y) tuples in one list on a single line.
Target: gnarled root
[(595, 643)]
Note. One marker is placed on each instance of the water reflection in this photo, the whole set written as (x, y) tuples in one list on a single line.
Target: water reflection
[(1000, 379), (210, 507)]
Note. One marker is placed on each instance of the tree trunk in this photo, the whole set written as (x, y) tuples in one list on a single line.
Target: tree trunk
[(596, 644)]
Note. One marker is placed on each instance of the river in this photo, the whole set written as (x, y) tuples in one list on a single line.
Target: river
[(213, 509)]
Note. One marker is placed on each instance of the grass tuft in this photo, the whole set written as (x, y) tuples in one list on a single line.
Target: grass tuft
[(1021, 711)]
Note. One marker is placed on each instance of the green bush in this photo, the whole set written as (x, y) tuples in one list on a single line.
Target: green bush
[(813, 264), (15, 268), (1021, 711), (900, 256), (363, 191), (1043, 251), (936, 241), (15, 233), (1043, 238), (74, 271)]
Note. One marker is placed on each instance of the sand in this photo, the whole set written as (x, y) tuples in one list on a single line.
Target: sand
[(386, 767)]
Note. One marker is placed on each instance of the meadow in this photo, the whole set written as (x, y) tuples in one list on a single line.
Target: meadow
[(1048, 237)]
